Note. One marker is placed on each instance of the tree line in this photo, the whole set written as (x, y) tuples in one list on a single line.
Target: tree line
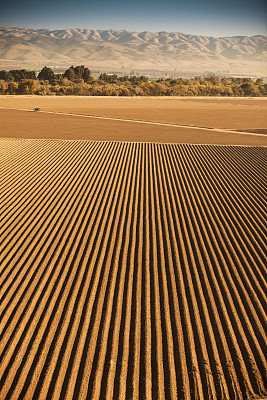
[(79, 81)]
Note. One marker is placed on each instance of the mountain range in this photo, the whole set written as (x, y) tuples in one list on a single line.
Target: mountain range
[(124, 50)]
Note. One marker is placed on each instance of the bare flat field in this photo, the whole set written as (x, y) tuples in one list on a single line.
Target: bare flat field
[(132, 270), (185, 119)]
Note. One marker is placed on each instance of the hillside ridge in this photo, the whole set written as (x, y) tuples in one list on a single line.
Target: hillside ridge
[(128, 49)]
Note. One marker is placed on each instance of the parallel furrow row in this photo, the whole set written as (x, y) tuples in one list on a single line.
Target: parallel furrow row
[(132, 271)]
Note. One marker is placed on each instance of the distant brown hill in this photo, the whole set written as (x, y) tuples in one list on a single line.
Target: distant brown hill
[(132, 50)]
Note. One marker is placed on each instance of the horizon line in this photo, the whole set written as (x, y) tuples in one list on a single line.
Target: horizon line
[(131, 31)]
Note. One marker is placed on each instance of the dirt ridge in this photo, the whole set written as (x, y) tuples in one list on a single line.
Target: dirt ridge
[(132, 270)]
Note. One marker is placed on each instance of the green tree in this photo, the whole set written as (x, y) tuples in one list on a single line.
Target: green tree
[(70, 74), (47, 74), (78, 71), (6, 76), (3, 87), (12, 88), (87, 75), (249, 89)]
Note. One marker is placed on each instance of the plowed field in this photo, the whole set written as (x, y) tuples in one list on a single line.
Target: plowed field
[(132, 270), (160, 119)]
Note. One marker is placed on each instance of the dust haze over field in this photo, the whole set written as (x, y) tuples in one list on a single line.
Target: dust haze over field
[(129, 269)]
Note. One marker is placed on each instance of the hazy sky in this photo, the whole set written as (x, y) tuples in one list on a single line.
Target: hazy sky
[(207, 17)]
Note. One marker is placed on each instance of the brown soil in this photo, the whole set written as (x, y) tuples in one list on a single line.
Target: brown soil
[(130, 270), (259, 131), (225, 113)]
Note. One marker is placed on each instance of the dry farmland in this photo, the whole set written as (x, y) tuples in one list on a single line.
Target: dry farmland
[(129, 269), (183, 120)]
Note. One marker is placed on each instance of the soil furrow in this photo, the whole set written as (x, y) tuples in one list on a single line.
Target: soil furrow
[(223, 261), (132, 271)]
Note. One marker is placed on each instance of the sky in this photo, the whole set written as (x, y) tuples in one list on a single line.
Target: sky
[(210, 18)]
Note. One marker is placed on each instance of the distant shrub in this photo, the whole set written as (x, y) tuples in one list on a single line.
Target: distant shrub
[(79, 81)]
